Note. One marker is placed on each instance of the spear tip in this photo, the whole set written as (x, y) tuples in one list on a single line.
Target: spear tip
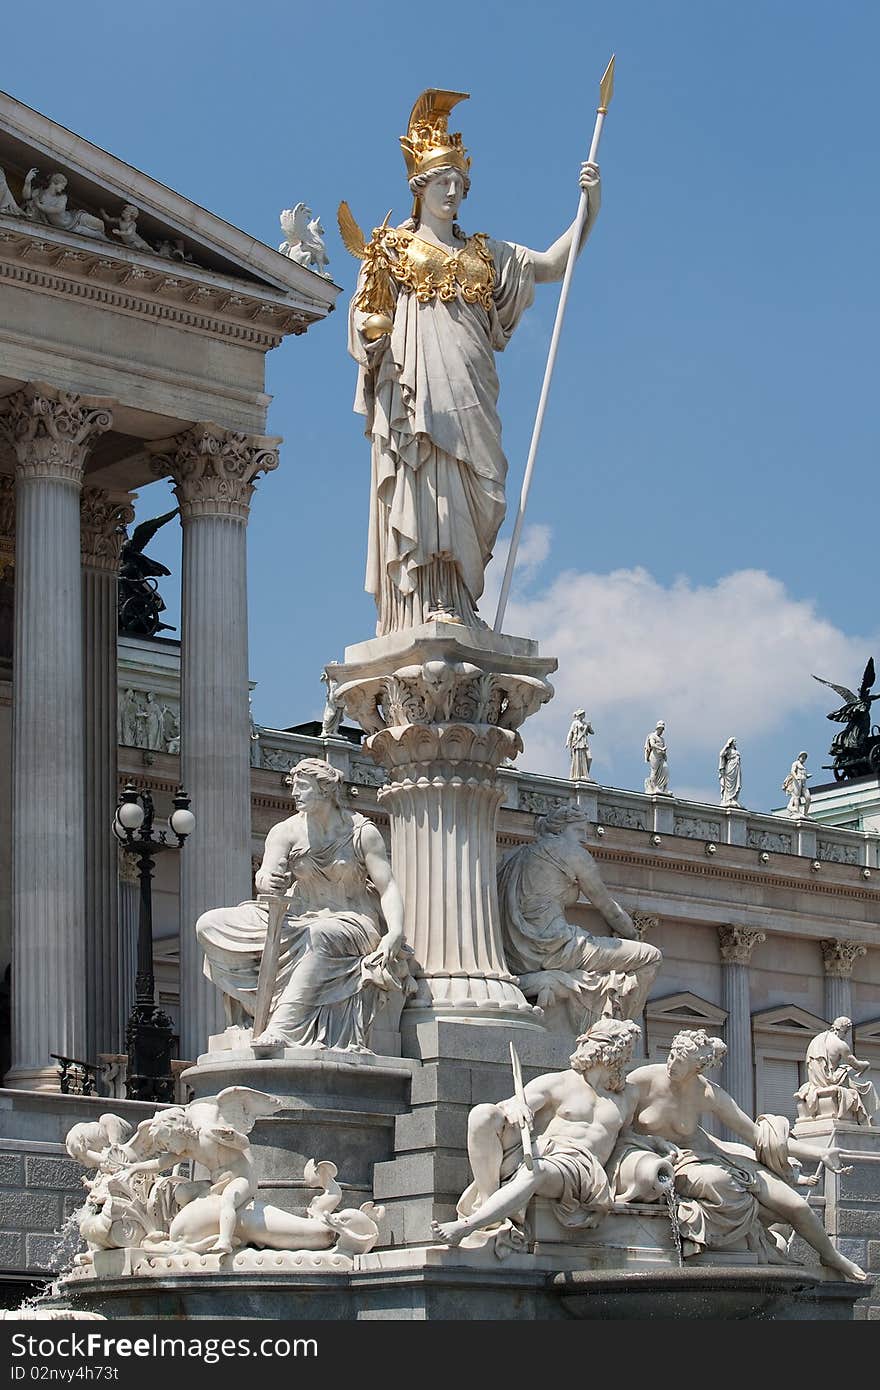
[(606, 87)]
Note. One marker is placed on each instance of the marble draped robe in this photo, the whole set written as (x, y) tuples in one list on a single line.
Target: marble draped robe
[(429, 392)]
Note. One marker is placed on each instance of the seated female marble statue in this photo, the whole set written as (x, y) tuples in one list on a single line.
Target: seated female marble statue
[(343, 925), (729, 1195)]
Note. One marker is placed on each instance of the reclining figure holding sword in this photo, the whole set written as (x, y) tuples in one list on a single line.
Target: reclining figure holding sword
[(579, 1113)]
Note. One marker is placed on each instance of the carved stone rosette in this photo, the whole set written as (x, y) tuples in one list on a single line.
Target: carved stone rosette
[(214, 469), (737, 943), (839, 957), (103, 519), (50, 431), (442, 706)]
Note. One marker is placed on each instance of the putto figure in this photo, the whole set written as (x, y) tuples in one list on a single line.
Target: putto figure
[(657, 758), (796, 785), (342, 931), (730, 773), (432, 308), (579, 1114), (831, 1088), (578, 744)]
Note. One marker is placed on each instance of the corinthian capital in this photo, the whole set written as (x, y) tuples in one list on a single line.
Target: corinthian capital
[(50, 431), (839, 957), (737, 943), (103, 519), (213, 469)]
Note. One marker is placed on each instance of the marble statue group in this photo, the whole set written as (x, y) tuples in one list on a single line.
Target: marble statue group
[(339, 930)]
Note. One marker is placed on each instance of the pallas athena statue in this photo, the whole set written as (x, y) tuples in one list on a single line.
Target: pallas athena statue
[(432, 308)]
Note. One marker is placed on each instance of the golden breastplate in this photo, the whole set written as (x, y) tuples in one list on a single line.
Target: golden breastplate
[(428, 271)]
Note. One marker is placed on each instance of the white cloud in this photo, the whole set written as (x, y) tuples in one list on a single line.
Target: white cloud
[(733, 657)]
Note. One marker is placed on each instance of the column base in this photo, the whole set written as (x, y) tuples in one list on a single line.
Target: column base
[(33, 1079)]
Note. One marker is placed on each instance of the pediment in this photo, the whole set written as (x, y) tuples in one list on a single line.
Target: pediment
[(184, 239), (788, 1019), (686, 1010)]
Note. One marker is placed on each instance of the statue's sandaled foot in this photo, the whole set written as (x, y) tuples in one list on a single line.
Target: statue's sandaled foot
[(221, 1247), (266, 1042), (449, 1232), (849, 1269)]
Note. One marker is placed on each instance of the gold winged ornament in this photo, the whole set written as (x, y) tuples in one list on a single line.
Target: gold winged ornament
[(376, 298)]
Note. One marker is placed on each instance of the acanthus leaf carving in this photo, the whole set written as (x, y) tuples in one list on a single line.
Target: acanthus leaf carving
[(214, 469)]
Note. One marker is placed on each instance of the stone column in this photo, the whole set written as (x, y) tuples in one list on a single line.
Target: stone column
[(213, 472), (442, 704), (128, 887), (50, 432), (737, 1075), (838, 959), (103, 519)]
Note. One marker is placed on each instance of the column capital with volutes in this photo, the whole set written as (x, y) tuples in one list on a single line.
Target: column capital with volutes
[(839, 957), (103, 518), (214, 469), (737, 943), (50, 431)]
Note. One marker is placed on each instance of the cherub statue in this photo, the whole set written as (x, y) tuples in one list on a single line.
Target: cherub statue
[(213, 1133), (304, 238), (579, 1114), (125, 227), (854, 753)]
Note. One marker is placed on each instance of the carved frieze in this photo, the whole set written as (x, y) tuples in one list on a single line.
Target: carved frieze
[(539, 803), (624, 817), (643, 923), (697, 828), (834, 853), (776, 841)]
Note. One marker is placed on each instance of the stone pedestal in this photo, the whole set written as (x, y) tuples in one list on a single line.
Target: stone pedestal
[(851, 1210), (49, 432), (213, 471), (442, 704)]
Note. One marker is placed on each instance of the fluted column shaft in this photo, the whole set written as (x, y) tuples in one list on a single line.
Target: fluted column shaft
[(103, 520), (838, 959), (737, 1076), (50, 432), (213, 472)]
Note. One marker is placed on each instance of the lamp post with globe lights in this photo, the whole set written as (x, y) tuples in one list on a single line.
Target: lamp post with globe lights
[(149, 1035)]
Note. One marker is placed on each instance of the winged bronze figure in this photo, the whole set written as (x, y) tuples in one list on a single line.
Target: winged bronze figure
[(856, 749)]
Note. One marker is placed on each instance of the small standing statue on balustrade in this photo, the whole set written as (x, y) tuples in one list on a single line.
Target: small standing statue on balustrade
[(578, 744), (730, 773), (831, 1089), (657, 780), (796, 785)]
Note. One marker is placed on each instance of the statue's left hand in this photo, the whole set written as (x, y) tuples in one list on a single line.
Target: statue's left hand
[(589, 177)]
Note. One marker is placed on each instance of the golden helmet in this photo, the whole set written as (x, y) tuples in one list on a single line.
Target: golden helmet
[(428, 144)]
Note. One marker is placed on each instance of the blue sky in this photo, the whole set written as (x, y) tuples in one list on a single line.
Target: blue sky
[(704, 518)]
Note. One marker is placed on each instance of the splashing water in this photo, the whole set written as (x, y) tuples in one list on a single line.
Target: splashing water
[(68, 1243), (667, 1186)]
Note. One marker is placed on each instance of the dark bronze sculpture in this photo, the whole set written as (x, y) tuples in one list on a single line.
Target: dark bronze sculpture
[(140, 602), (856, 749)]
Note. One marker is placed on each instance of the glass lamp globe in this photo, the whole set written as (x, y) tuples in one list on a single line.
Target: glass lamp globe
[(182, 822), (130, 815)]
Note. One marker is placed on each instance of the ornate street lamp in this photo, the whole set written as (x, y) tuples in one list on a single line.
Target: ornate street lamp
[(150, 1031)]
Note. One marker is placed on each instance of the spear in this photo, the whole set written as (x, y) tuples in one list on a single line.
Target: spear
[(606, 91)]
